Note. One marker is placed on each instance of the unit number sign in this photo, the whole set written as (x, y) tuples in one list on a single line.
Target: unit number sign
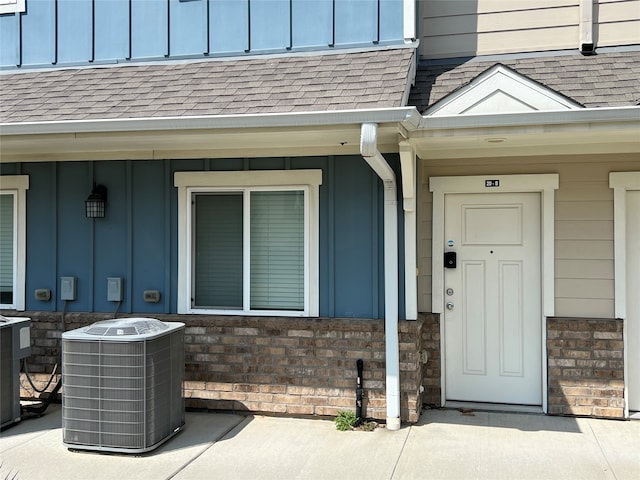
[(491, 183)]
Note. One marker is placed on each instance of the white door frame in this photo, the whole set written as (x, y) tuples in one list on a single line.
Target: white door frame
[(621, 182), (545, 184)]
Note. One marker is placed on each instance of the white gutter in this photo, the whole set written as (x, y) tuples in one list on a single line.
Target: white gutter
[(369, 151), (408, 116)]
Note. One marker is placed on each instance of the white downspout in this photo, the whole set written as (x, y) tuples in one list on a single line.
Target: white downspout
[(369, 151), (409, 20), (586, 44)]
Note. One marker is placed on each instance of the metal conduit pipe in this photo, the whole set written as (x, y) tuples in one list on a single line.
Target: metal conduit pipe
[(371, 154)]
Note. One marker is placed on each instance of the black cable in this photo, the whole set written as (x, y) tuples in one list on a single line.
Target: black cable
[(40, 409), (26, 372)]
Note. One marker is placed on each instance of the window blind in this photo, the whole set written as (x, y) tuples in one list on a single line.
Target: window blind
[(6, 248), (218, 250), (277, 250)]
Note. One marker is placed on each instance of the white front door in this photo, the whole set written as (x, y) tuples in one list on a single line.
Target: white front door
[(493, 319), (633, 298)]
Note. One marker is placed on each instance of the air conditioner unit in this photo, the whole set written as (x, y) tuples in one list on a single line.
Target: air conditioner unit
[(122, 385), (15, 344)]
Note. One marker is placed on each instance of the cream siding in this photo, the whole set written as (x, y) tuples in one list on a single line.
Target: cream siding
[(485, 27), (617, 22), (584, 279)]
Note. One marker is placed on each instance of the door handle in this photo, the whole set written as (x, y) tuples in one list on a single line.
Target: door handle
[(449, 305)]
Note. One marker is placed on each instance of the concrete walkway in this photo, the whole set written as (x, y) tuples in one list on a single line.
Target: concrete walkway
[(445, 444)]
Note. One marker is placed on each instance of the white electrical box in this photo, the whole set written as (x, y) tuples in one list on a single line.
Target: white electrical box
[(67, 288), (114, 289)]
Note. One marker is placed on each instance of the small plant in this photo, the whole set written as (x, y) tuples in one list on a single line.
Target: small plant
[(346, 420)]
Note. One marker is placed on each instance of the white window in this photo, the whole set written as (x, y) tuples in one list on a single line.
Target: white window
[(248, 242), (12, 6), (13, 241)]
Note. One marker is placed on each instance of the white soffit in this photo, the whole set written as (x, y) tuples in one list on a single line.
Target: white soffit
[(501, 90)]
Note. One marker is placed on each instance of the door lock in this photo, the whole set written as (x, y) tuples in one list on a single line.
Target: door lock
[(450, 259), (449, 291), (449, 305)]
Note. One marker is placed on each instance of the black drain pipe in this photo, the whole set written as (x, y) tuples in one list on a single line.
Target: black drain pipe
[(359, 392)]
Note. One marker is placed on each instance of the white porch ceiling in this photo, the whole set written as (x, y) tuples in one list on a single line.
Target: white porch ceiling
[(483, 142)]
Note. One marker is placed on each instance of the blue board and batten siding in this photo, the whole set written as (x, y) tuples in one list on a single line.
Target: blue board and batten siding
[(137, 239), (77, 32)]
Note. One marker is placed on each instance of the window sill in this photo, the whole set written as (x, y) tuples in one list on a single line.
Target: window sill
[(247, 313)]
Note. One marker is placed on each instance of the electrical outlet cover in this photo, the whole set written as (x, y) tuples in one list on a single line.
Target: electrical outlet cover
[(151, 296), (42, 294)]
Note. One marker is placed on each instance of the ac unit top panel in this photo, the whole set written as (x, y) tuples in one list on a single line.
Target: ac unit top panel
[(123, 329)]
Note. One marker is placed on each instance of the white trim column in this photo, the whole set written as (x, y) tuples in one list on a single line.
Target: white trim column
[(408, 169)]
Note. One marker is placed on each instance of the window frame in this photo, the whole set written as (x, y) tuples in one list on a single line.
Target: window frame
[(17, 186), (193, 183)]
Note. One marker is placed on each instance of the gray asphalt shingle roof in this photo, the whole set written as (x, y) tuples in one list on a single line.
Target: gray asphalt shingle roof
[(294, 83), (603, 80)]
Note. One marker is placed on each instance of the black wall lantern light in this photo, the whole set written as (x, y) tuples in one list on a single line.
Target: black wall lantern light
[(95, 204)]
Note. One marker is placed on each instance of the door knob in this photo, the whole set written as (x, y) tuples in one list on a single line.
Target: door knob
[(449, 305)]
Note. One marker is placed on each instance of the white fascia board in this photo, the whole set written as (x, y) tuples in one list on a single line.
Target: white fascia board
[(560, 118), (407, 116)]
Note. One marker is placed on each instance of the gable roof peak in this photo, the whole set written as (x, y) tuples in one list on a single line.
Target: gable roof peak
[(501, 89)]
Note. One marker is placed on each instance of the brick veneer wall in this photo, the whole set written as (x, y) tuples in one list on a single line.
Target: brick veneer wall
[(293, 366), (432, 370), (585, 367), (410, 346)]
